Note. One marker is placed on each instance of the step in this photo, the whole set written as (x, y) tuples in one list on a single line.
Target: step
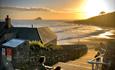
[(81, 63)]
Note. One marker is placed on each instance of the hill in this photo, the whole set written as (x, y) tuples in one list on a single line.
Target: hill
[(107, 20)]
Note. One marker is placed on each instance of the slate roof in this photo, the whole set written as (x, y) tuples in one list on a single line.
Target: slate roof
[(2, 24), (46, 34), (25, 33), (2, 28), (13, 43), (43, 34)]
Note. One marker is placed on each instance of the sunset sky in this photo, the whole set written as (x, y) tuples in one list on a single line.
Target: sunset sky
[(60, 9)]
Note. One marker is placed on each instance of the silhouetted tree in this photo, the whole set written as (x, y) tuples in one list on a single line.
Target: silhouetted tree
[(102, 12)]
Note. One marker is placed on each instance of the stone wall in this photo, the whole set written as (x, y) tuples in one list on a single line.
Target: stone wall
[(63, 54)]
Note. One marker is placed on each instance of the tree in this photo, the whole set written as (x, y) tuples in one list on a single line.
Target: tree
[(102, 12)]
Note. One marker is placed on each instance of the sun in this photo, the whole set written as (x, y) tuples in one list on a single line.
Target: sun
[(94, 7)]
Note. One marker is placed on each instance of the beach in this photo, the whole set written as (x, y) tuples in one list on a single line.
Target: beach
[(68, 33)]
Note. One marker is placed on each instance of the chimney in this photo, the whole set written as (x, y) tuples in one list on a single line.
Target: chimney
[(8, 22)]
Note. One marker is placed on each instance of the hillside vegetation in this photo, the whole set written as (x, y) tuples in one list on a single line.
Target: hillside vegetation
[(107, 20)]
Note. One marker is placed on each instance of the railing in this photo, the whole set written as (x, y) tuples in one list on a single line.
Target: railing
[(98, 62)]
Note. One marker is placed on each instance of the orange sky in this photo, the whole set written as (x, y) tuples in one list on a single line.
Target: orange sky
[(55, 9)]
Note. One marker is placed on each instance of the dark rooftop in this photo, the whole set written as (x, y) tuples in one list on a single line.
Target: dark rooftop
[(25, 33), (2, 28), (43, 34)]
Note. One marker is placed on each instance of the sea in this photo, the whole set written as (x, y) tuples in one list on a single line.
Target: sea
[(69, 33)]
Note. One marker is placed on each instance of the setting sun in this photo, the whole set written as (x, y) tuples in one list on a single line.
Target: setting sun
[(94, 7)]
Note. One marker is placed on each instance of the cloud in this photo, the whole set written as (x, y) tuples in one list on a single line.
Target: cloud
[(32, 13), (42, 9), (28, 9)]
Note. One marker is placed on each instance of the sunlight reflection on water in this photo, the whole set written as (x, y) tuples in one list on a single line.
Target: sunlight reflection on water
[(105, 35)]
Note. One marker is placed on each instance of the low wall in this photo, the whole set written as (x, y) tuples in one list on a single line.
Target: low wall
[(66, 53)]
